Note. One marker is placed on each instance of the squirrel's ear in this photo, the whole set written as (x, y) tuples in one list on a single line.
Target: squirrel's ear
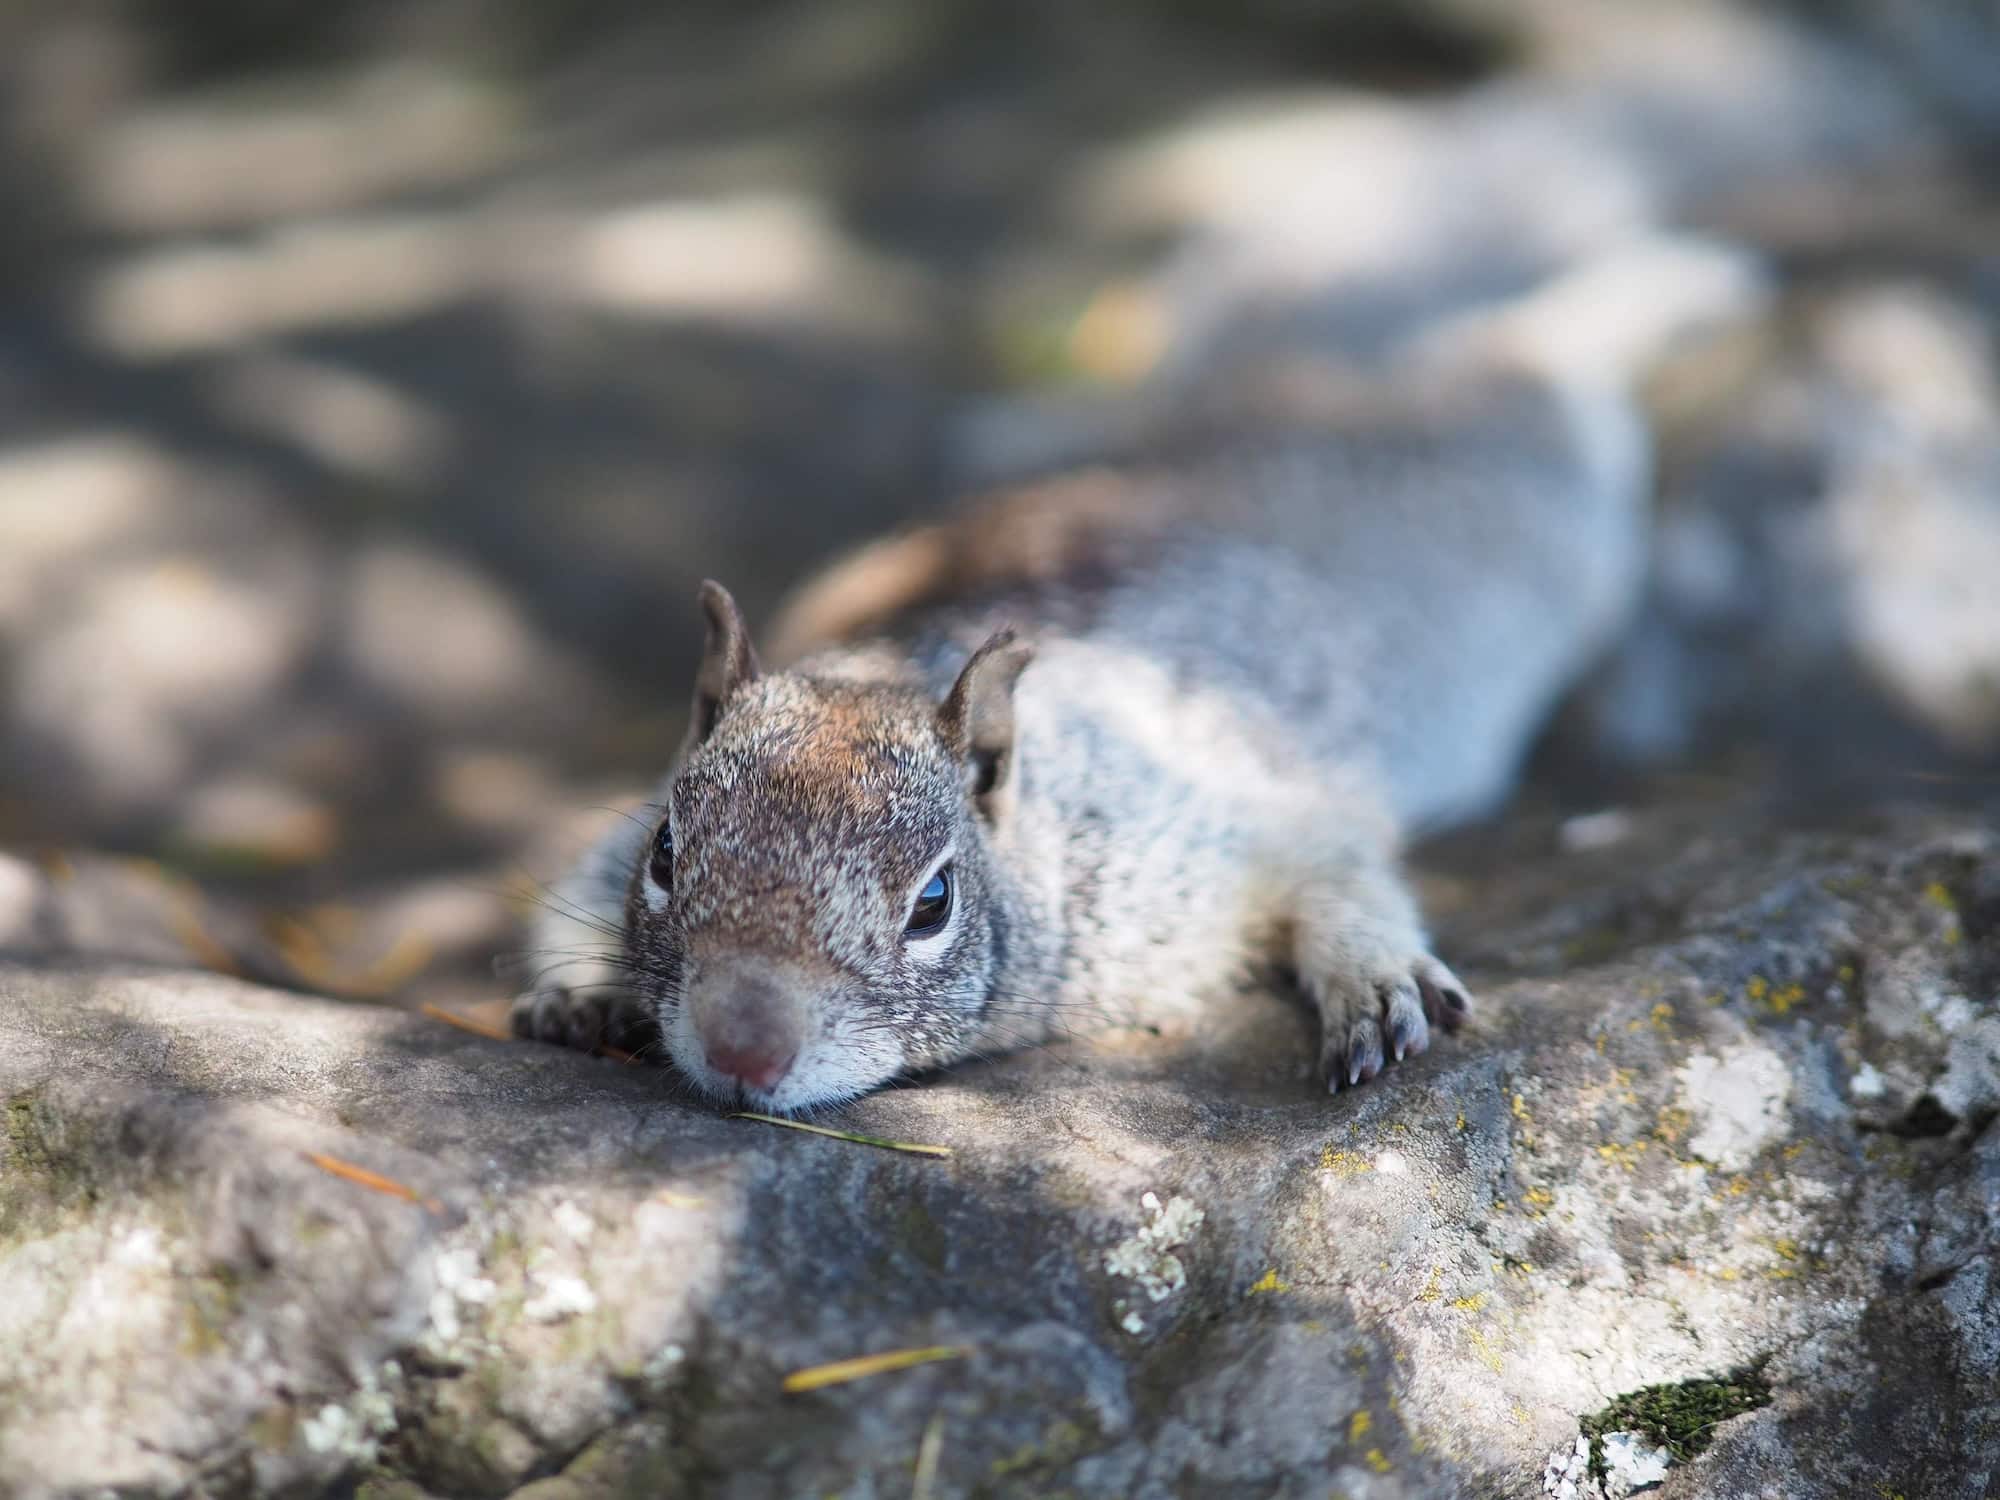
[(977, 720), (729, 662)]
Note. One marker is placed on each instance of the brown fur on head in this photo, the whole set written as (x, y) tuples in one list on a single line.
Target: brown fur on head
[(772, 921)]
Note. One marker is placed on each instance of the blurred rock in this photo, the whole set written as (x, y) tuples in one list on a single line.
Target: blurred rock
[(153, 662), (1753, 1137), (1826, 544), (448, 648), (254, 820)]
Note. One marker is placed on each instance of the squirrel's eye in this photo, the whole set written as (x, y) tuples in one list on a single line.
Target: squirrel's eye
[(660, 866), (933, 908)]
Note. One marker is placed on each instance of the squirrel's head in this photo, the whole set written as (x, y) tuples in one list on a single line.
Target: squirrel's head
[(815, 910)]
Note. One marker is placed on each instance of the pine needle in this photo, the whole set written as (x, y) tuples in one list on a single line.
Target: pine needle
[(846, 1135), (373, 1181), (929, 1452), (843, 1370), (466, 1023)]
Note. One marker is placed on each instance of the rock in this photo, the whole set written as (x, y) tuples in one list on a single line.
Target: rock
[(1631, 1463), (1655, 1162)]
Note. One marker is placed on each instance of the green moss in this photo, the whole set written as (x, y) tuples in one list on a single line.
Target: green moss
[(1062, 1443), (24, 1136), (211, 1304), (1680, 1418), (42, 1167), (1593, 946), (505, 1245), (633, 1461)]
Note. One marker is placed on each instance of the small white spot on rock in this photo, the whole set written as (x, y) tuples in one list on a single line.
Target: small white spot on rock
[(1147, 1257), (558, 1295), (1867, 1082), (573, 1221), (328, 1432), (354, 1432), (1598, 830), (1631, 1463), (1953, 1013), (663, 1363), (1738, 1100), (455, 1286), (1568, 1471), (141, 1249)]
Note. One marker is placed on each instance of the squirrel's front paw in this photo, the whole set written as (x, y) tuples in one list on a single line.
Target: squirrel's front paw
[(1381, 1007), (585, 1015)]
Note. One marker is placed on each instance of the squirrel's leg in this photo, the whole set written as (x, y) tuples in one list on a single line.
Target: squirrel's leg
[(1359, 948), (574, 992)]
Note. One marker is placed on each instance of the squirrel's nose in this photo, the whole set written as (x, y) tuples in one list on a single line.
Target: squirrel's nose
[(748, 1023), (756, 1065)]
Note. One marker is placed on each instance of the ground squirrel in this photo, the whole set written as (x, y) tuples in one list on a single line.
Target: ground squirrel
[(1109, 741)]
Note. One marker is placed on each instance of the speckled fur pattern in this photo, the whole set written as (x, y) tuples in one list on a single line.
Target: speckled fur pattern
[(1262, 653)]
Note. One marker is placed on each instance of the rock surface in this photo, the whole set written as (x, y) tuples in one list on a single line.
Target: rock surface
[(363, 432), (1728, 1106)]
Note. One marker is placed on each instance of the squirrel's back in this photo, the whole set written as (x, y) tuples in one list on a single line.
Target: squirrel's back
[(1397, 572), (1400, 583)]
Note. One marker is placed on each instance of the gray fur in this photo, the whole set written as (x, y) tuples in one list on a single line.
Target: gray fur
[(1259, 655)]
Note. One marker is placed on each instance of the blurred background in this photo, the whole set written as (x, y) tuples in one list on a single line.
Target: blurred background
[(378, 379)]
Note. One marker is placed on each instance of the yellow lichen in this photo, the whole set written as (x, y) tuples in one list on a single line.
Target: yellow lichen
[(1359, 1425), (1786, 996), (1626, 1156), (1672, 1125), (1378, 1461), (1343, 1163), (1469, 1304), (1269, 1282), (1484, 1349)]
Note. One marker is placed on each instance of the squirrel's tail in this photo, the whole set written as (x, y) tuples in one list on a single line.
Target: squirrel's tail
[(1601, 324), (1593, 331)]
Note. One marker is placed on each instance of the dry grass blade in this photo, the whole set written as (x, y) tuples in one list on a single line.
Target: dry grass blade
[(929, 1452), (843, 1370), (373, 1181), (465, 1023), (846, 1135)]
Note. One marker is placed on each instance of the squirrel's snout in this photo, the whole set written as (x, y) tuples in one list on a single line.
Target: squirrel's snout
[(750, 1031)]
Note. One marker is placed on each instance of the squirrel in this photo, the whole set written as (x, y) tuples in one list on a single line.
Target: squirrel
[(1133, 730)]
